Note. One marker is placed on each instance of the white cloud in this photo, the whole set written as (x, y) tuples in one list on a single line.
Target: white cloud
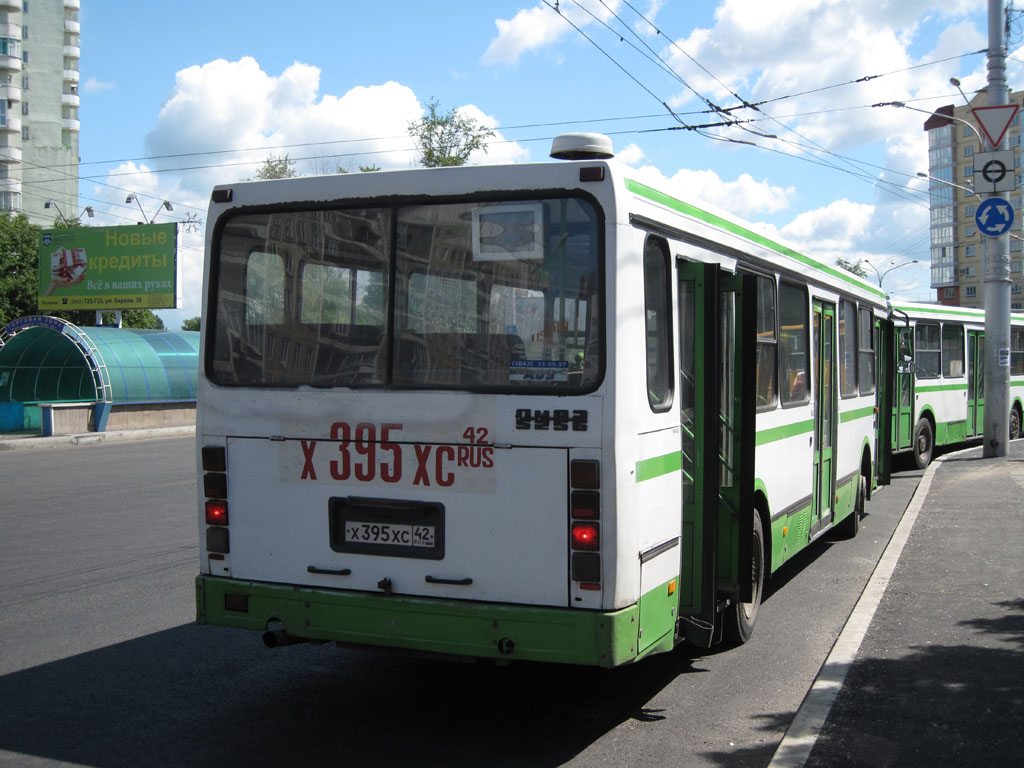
[(241, 114), (92, 85), (538, 27), (743, 197), (630, 154)]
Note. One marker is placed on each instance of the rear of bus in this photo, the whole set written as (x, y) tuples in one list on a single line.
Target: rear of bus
[(401, 413)]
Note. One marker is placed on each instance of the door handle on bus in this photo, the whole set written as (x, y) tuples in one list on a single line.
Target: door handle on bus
[(458, 582), (330, 571)]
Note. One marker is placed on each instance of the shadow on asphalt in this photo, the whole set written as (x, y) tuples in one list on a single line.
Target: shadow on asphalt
[(201, 696), (939, 704)]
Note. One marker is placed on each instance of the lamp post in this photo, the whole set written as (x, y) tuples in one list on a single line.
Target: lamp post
[(881, 275), (901, 105), (132, 197), (67, 222)]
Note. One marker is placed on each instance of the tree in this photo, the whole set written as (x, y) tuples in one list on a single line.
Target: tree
[(852, 266), (190, 324), (19, 267), (282, 167), (447, 139)]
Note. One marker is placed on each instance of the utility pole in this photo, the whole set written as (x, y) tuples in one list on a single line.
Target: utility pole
[(997, 267)]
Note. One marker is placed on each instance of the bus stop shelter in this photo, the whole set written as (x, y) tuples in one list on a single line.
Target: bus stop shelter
[(54, 373)]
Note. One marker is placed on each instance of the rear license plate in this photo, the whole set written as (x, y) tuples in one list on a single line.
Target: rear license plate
[(388, 527)]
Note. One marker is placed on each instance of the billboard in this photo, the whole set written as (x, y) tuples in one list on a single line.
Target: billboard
[(131, 267)]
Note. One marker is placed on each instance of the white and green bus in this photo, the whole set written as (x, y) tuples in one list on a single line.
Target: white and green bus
[(541, 411), (939, 392)]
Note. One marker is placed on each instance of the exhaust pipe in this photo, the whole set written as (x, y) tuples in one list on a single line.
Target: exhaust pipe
[(278, 638)]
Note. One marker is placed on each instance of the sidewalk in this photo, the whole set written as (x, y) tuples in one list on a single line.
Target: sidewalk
[(938, 679), (28, 441)]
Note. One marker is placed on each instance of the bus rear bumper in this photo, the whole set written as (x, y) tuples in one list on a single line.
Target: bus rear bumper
[(482, 630)]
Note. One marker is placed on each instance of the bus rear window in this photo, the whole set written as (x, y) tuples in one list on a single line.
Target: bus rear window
[(498, 295)]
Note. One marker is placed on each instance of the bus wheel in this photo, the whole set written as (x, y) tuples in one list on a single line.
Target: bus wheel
[(851, 524), (740, 618), (924, 443), (1014, 423)]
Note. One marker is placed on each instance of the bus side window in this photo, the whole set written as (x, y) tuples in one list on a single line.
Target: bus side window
[(658, 324), (793, 343), (767, 345)]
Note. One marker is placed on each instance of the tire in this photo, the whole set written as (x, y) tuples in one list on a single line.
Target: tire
[(1014, 423), (924, 443), (850, 526), (739, 618)]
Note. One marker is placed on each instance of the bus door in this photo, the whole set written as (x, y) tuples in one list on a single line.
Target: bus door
[(884, 379), (717, 316), (824, 415), (903, 412), (975, 383)]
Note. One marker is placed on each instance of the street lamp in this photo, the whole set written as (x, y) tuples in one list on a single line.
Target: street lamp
[(929, 112), (955, 82), (881, 275), (149, 220), (924, 175)]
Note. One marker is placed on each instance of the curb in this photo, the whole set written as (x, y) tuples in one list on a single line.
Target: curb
[(35, 442)]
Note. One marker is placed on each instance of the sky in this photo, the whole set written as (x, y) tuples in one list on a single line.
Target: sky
[(178, 97)]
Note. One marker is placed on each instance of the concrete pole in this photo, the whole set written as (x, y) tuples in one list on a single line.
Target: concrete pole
[(997, 269)]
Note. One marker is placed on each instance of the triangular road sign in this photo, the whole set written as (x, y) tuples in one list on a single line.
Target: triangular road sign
[(994, 121)]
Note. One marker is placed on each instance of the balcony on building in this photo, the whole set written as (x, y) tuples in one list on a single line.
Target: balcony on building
[(11, 7), (10, 30), (10, 184), (10, 154), (73, 5), (72, 52), (10, 124), (71, 76), (10, 63), (70, 99), (10, 92), (71, 124), (72, 26)]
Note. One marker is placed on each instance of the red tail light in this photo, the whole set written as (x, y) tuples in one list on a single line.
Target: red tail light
[(216, 512), (585, 536)]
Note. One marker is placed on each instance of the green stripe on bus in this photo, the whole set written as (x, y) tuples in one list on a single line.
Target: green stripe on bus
[(858, 413), (942, 388), (781, 433), (678, 205), (647, 469)]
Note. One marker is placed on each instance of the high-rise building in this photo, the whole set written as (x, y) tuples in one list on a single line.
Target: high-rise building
[(39, 53), (957, 248)]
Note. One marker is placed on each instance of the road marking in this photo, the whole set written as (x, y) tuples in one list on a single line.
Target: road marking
[(796, 745)]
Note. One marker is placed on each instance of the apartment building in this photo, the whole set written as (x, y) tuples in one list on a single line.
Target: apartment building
[(39, 126)]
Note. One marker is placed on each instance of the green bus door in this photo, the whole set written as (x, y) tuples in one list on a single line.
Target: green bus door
[(824, 415), (903, 412), (716, 417), (975, 383)]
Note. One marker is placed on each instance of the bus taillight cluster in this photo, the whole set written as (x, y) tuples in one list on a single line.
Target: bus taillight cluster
[(584, 525), (215, 489)]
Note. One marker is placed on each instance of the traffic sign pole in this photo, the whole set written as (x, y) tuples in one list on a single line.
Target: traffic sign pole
[(997, 264)]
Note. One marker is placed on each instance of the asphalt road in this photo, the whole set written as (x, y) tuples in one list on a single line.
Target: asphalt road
[(101, 663)]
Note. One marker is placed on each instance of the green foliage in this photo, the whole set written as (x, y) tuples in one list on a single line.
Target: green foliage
[(369, 168), (447, 139), (190, 324), (19, 267), (273, 167), (130, 318)]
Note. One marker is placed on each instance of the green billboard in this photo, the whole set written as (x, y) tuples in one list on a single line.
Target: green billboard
[(132, 267)]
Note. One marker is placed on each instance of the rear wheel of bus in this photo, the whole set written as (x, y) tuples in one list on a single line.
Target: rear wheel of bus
[(739, 618)]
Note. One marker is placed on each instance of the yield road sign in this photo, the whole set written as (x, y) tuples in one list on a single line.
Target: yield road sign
[(994, 172), (995, 120), (994, 217)]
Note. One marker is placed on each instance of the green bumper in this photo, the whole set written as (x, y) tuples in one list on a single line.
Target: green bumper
[(484, 630)]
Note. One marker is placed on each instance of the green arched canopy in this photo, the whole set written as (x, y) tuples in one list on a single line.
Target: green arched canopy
[(48, 360)]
